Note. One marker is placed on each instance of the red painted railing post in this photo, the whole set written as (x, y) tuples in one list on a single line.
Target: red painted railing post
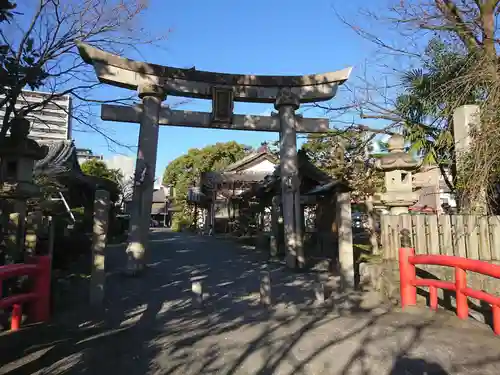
[(433, 298), (461, 284), (496, 319), (41, 306), (407, 274), (16, 317)]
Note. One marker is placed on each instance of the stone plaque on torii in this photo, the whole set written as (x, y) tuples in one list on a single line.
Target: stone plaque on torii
[(154, 82)]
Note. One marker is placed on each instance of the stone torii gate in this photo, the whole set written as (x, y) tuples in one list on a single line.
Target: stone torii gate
[(155, 82)]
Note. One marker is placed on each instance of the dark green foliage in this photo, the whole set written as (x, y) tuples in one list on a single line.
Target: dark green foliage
[(346, 155), (98, 168), (430, 96), (184, 172)]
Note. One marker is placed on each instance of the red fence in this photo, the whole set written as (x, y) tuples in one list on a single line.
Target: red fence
[(409, 282), (39, 298)]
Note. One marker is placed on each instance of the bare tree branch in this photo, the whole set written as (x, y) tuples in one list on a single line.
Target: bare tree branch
[(43, 55)]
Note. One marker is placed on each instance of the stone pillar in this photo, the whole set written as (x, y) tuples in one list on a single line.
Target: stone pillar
[(265, 287), (344, 229), (286, 104), (212, 211), (372, 218), (165, 213), (206, 223), (14, 244), (33, 229), (52, 238), (465, 119), (152, 97), (99, 234), (275, 231), (299, 220), (20, 208)]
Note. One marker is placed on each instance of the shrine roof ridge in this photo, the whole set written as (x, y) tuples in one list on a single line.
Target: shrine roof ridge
[(93, 55)]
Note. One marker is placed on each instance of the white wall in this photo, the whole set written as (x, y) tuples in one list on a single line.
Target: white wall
[(263, 166), (125, 164)]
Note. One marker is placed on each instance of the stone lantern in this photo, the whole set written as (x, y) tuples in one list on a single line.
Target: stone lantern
[(18, 154), (398, 167)]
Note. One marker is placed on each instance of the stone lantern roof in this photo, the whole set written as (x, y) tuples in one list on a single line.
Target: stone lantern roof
[(397, 158), (18, 154), (18, 144)]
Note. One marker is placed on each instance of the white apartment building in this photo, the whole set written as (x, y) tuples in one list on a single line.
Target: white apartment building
[(85, 154), (50, 122), (125, 164)]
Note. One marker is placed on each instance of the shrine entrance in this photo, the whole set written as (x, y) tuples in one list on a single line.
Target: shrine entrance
[(155, 82)]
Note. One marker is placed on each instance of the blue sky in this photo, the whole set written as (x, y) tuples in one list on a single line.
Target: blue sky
[(254, 37)]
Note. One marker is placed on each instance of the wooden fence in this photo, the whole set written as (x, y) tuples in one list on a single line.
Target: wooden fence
[(469, 236)]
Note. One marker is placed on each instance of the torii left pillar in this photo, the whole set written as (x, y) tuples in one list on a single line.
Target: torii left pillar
[(287, 103), (137, 250)]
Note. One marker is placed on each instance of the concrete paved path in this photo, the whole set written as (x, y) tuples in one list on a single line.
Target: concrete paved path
[(150, 327)]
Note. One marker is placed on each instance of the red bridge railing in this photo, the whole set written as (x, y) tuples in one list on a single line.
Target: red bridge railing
[(38, 298), (409, 282)]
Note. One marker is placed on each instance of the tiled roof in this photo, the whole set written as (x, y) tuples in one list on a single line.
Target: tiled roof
[(61, 163), (60, 158)]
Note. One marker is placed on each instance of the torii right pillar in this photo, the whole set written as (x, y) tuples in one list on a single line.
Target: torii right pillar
[(287, 103)]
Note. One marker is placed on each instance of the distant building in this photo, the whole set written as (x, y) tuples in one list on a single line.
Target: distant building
[(50, 122), (126, 166), (216, 197), (161, 210), (85, 154)]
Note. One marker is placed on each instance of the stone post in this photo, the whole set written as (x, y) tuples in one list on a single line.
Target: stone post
[(13, 239), (99, 234), (152, 97), (265, 287), (197, 294), (33, 230), (286, 104), (344, 228), (299, 220), (212, 212), (465, 119), (275, 214), (52, 238), (20, 209), (397, 166), (372, 216)]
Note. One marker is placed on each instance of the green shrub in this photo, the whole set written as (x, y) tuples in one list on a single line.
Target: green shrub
[(180, 222)]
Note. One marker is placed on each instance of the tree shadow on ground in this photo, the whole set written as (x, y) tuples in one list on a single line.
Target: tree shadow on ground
[(405, 365), (149, 326)]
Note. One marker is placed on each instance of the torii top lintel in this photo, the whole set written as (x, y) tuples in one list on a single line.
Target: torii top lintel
[(192, 83)]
